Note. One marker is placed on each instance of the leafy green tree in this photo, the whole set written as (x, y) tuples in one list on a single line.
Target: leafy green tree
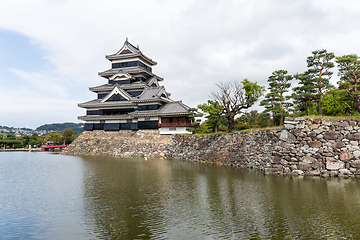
[(214, 114), (32, 142), (67, 136), (332, 107), (253, 119), (10, 137), (35, 136), (53, 136), (40, 141), (25, 140), (236, 96), (349, 72), (319, 65), (276, 101)]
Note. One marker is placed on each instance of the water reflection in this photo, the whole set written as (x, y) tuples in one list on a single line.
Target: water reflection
[(45, 196), (159, 199)]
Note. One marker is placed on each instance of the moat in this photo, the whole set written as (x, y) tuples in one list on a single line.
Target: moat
[(46, 196)]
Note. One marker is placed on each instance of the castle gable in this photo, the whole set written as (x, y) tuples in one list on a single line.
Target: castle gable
[(117, 94)]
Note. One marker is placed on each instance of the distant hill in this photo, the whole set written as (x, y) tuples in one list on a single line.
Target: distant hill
[(60, 127), (12, 128)]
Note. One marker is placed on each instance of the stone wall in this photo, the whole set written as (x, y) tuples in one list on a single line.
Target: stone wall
[(123, 143), (316, 147), (326, 147)]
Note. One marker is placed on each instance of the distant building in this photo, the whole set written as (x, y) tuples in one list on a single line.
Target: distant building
[(132, 98)]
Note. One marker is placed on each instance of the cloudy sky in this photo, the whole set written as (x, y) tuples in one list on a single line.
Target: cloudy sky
[(52, 50)]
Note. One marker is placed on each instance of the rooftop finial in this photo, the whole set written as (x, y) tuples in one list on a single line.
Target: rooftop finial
[(138, 46), (126, 40)]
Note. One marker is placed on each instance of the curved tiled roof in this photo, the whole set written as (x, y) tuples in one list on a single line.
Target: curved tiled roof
[(133, 70), (133, 52)]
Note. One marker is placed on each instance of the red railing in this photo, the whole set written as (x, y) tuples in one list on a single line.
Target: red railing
[(175, 124), (47, 148)]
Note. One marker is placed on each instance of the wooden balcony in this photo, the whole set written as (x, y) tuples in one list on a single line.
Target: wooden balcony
[(175, 124)]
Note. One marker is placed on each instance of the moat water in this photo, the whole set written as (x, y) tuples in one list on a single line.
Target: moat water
[(46, 196)]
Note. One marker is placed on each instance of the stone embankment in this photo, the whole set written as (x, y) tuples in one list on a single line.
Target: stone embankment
[(123, 143), (316, 147)]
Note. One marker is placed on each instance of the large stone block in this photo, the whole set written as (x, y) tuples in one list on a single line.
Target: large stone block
[(344, 171), (344, 124), (332, 135), (327, 154), (317, 165), (326, 122), (289, 126), (300, 119), (312, 134), (355, 164), (346, 156), (284, 144), (276, 160), (314, 126), (287, 137), (304, 166), (277, 154), (315, 144), (338, 145), (355, 136), (356, 154), (334, 165), (308, 159)]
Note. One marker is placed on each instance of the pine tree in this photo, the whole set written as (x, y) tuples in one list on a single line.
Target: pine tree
[(319, 64), (305, 91), (276, 101), (349, 71)]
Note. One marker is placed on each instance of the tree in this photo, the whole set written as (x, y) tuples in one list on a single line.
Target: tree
[(331, 107), (349, 72), (193, 114), (32, 142), (275, 100), (53, 136), (253, 119), (25, 140), (304, 92), (67, 136), (319, 65), (214, 117), (236, 96)]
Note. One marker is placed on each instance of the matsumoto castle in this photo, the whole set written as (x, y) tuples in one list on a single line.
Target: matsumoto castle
[(133, 99)]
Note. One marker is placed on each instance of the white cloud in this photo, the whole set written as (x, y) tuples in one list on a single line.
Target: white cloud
[(45, 84), (196, 43)]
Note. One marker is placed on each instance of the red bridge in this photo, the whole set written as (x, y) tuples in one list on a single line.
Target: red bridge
[(53, 148)]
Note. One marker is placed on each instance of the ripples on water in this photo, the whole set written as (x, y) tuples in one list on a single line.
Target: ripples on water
[(45, 196)]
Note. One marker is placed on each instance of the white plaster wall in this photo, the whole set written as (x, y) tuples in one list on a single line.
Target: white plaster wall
[(179, 130)]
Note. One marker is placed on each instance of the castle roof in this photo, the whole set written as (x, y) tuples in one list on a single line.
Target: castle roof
[(131, 70), (170, 109), (134, 85), (129, 51), (150, 94)]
